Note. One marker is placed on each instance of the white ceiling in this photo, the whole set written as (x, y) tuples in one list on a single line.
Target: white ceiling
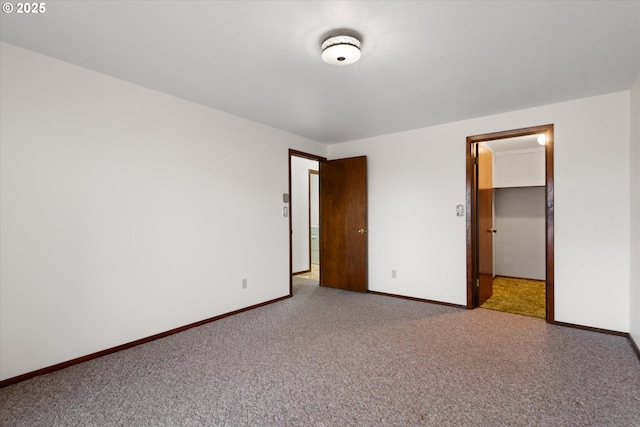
[(423, 63)]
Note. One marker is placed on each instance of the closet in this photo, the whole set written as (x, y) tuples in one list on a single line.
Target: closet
[(519, 212)]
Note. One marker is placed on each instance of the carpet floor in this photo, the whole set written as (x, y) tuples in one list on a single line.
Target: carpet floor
[(518, 296), (328, 357)]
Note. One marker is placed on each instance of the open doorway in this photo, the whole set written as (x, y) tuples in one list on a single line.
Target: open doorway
[(510, 221), (305, 218)]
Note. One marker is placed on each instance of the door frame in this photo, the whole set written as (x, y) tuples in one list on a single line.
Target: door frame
[(472, 226), (296, 153)]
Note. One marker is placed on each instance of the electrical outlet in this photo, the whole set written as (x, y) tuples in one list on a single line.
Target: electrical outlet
[(459, 210), (394, 274), (244, 283)]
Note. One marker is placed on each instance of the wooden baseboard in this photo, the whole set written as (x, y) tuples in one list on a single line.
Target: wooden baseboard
[(518, 278), (628, 336), (418, 299), (301, 272), (57, 367), (589, 328), (635, 346)]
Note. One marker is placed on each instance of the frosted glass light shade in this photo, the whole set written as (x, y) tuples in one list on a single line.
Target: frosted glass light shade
[(341, 50)]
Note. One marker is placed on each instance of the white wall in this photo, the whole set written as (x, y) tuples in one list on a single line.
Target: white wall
[(634, 306), (519, 168), (126, 212), (520, 240), (314, 199), (300, 211), (314, 215), (416, 179)]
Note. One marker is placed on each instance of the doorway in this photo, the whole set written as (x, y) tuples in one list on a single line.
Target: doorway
[(342, 220), (480, 212), (304, 211), (304, 218)]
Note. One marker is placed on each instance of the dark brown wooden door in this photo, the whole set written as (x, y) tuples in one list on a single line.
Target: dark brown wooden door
[(485, 224), (343, 224)]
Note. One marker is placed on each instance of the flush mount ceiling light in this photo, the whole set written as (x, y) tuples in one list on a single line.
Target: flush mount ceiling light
[(341, 50)]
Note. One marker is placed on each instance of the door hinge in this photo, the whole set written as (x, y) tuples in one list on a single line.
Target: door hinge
[(477, 283)]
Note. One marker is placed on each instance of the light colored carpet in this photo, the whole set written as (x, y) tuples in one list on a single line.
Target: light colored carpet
[(518, 296), (328, 357), (298, 281)]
